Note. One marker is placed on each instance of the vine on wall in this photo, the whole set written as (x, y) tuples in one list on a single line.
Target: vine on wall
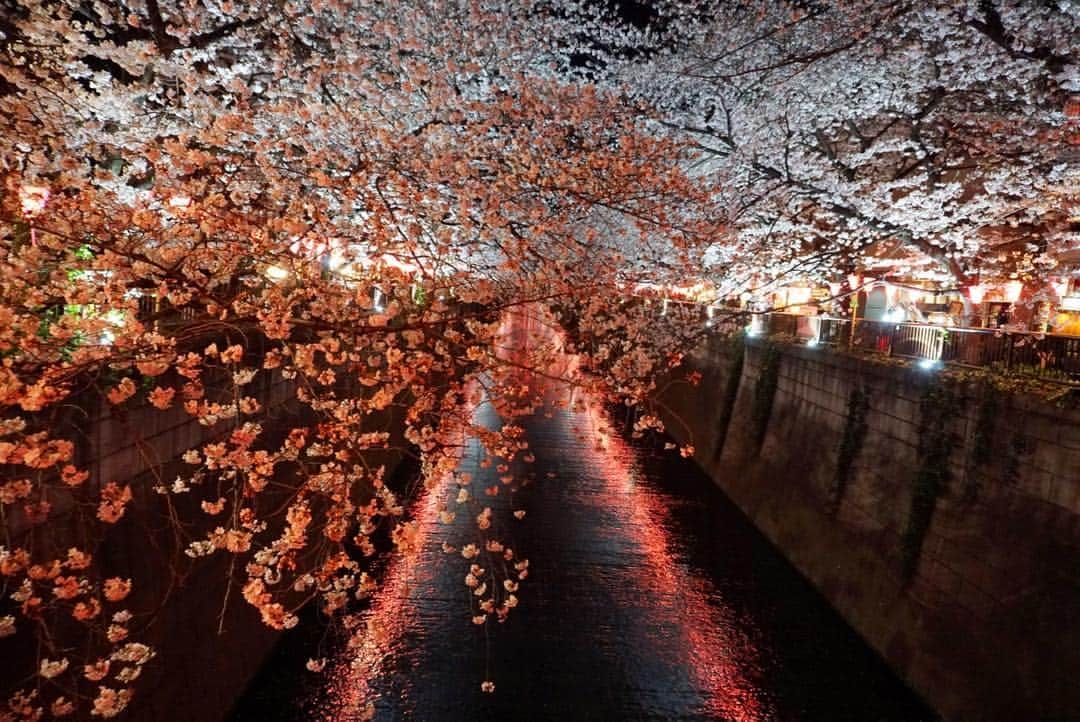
[(936, 443), (735, 349), (850, 443), (1019, 448), (764, 393), (982, 441)]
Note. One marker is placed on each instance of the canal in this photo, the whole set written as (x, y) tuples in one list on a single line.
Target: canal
[(649, 597)]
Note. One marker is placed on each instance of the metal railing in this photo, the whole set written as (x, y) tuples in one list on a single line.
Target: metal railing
[(156, 310), (1050, 356)]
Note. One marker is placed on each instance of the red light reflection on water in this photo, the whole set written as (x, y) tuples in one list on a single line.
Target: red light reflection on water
[(718, 652), (717, 649), (392, 615)]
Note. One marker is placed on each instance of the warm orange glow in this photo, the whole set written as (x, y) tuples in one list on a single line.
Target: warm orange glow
[(1012, 291), (976, 293), (391, 615)]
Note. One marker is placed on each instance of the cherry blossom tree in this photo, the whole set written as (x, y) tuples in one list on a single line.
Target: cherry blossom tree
[(839, 130), (344, 197)]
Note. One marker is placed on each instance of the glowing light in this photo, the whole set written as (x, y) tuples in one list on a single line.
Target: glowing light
[(976, 293), (276, 273), (33, 199), (892, 294), (308, 246), (115, 316), (390, 618), (835, 287), (799, 295), (1012, 291), (355, 260), (894, 315), (731, 693), (854, 281), (929, 364), (336, 261), (1061, 287), (715, 667)]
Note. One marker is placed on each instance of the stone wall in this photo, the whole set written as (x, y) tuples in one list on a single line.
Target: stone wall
[(209, 641), (970, 590)]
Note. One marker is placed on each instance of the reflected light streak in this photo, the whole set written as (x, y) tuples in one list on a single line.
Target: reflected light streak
[(389, 619), (731, 695), (708, 628), (689, 603)]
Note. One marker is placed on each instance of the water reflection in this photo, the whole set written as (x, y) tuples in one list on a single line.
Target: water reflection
[(650, 597), (696, 632)]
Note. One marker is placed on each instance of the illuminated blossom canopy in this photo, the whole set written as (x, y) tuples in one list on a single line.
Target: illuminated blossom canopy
[(205, 200), (940, 132)]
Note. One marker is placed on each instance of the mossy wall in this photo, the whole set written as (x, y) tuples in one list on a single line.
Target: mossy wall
[(953, 545)]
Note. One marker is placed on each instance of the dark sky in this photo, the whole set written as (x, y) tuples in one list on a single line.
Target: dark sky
[(638, 13), (634, 12)]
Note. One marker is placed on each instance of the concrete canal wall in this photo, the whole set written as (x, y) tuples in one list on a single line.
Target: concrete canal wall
[(941, 519), (209, 642), (207, 649)]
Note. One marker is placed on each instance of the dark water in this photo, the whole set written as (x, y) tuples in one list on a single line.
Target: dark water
[(650, 597)]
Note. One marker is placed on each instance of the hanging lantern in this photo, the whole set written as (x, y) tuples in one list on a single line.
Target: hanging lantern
[(976, 293), (854, 281), (1061, 287), (834, 288)]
